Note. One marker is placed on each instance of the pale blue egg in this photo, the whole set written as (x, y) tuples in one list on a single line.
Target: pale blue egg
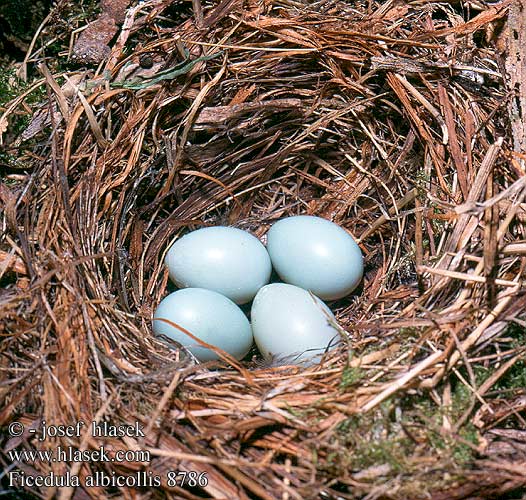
[(290, 324), (224, 259), (207, 315), (315, 254)]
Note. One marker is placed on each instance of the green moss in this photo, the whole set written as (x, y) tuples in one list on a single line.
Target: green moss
[(350, 375), (399, 434), (460, 448), (9, 85), (308, 413), (389, 451), (409, 334), (422, 181), (518, 335), (514, 378), (367, 442), (462, 452), (7, 159), (10, 88)]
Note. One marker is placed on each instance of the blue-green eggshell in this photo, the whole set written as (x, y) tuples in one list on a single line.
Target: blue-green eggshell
[(227, 260), (315, 254), (289, 324), (208, 315)]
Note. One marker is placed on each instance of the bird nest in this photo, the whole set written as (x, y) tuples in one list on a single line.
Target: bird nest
[(401, 122)]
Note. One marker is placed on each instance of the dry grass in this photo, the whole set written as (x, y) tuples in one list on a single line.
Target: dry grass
[(397, 121)]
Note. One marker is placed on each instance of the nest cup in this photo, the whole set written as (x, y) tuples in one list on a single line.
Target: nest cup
[(243, 115)]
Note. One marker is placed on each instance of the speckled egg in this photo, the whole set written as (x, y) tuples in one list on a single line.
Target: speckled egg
[(315, 254), (226, 260), (209, 316), (290, 324)]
